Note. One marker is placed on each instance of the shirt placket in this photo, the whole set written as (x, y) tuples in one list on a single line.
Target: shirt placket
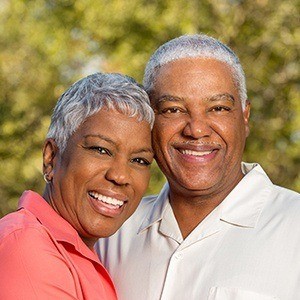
[(177, 262)]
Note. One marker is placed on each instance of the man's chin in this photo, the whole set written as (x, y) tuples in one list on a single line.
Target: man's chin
[(194, 185)]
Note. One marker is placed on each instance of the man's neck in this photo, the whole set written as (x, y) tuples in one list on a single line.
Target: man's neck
[(189, 214), (192, 207)]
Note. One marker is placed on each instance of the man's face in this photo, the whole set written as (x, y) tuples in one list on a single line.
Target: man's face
[(200, 128)]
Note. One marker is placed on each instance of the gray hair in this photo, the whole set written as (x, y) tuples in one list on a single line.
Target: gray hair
[(192, 46), (89, 95)]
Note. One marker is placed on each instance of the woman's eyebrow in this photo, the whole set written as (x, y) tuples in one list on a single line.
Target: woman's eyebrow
[(107, 139), (144, 150), (100, 136)]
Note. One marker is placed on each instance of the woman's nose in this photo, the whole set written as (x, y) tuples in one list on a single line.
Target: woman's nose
[(118, 173)]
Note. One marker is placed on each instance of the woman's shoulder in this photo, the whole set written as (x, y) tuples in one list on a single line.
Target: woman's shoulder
[(29, 254), (17, 223)]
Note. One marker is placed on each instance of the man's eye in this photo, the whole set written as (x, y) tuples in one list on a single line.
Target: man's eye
[(101, 150), (171, 110), (141, 161), (220, 108)]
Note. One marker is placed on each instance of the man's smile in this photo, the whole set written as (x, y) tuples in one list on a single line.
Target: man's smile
[(195, 153)]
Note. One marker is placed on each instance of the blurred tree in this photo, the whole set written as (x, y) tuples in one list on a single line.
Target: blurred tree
[(45, 45)]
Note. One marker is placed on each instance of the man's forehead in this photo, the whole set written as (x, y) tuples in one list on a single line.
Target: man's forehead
[(191, 61), (197, 67), (192, 75)]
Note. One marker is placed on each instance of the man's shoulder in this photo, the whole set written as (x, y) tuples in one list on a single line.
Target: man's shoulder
[(288, 199), (287, 193), (258, 184), (283, 208)]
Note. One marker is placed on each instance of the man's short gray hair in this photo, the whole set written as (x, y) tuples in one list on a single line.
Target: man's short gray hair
[(194, 46), (89, 95)]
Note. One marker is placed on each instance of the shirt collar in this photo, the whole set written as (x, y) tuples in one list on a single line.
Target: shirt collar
[(242, 207), (59, 228), (158, 209)]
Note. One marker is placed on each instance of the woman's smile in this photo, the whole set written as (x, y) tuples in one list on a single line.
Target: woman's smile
[(106, 205)]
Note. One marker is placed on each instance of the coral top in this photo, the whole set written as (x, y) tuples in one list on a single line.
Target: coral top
[(43, 257)]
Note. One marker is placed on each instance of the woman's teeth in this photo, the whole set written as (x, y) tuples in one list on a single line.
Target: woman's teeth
[(106, 199)]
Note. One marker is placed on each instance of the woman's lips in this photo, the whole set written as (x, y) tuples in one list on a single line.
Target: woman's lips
[(106, 205), (106, 199)]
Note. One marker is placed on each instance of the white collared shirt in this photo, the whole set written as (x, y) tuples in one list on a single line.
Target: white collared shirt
[(247, 248)]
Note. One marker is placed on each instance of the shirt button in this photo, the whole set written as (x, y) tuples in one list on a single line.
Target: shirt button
[(178, 255)]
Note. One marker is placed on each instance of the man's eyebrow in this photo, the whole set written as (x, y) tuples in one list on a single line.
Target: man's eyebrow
[(223, 96), (218, 97), (166, 97)]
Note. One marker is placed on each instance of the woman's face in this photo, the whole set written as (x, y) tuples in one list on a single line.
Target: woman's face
[(97, 183)]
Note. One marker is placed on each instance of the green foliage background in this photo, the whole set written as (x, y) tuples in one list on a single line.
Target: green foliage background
[(45, 45)]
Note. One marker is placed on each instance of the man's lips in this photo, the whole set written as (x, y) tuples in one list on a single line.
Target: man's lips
[(195, 153), (202, 151)]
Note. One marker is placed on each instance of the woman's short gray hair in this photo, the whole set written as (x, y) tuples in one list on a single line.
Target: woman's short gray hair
[(191, 46), (89, 95)]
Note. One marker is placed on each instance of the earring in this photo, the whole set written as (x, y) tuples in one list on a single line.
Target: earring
[(45, 178)]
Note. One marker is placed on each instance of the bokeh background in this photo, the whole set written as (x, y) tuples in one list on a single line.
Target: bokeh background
[(45, 45)]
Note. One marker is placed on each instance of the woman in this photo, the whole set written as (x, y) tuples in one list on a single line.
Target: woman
[(96, 162)]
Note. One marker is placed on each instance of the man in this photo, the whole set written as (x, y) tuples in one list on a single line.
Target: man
[(219, 229)]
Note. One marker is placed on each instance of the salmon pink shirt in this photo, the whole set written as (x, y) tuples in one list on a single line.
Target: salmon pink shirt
[(43, 257)]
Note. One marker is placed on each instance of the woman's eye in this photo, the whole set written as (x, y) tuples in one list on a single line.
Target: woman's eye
[(101, 150), (141, 161)]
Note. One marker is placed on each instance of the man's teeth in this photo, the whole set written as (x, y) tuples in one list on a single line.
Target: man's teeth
[(106, 199), (196, 153)]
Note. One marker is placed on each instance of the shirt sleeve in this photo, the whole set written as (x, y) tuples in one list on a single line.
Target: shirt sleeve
[(33, 268)]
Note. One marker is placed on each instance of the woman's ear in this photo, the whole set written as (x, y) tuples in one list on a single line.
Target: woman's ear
[(50, 156)]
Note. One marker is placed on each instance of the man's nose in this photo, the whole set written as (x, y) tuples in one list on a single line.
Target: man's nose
[(118, 172), (197, 127)]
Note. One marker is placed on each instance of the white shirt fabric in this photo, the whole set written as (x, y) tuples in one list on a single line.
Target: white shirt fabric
[(247, 248)]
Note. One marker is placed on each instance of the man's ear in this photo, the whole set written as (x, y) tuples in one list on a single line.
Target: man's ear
[(50, 156), (246, 114)]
